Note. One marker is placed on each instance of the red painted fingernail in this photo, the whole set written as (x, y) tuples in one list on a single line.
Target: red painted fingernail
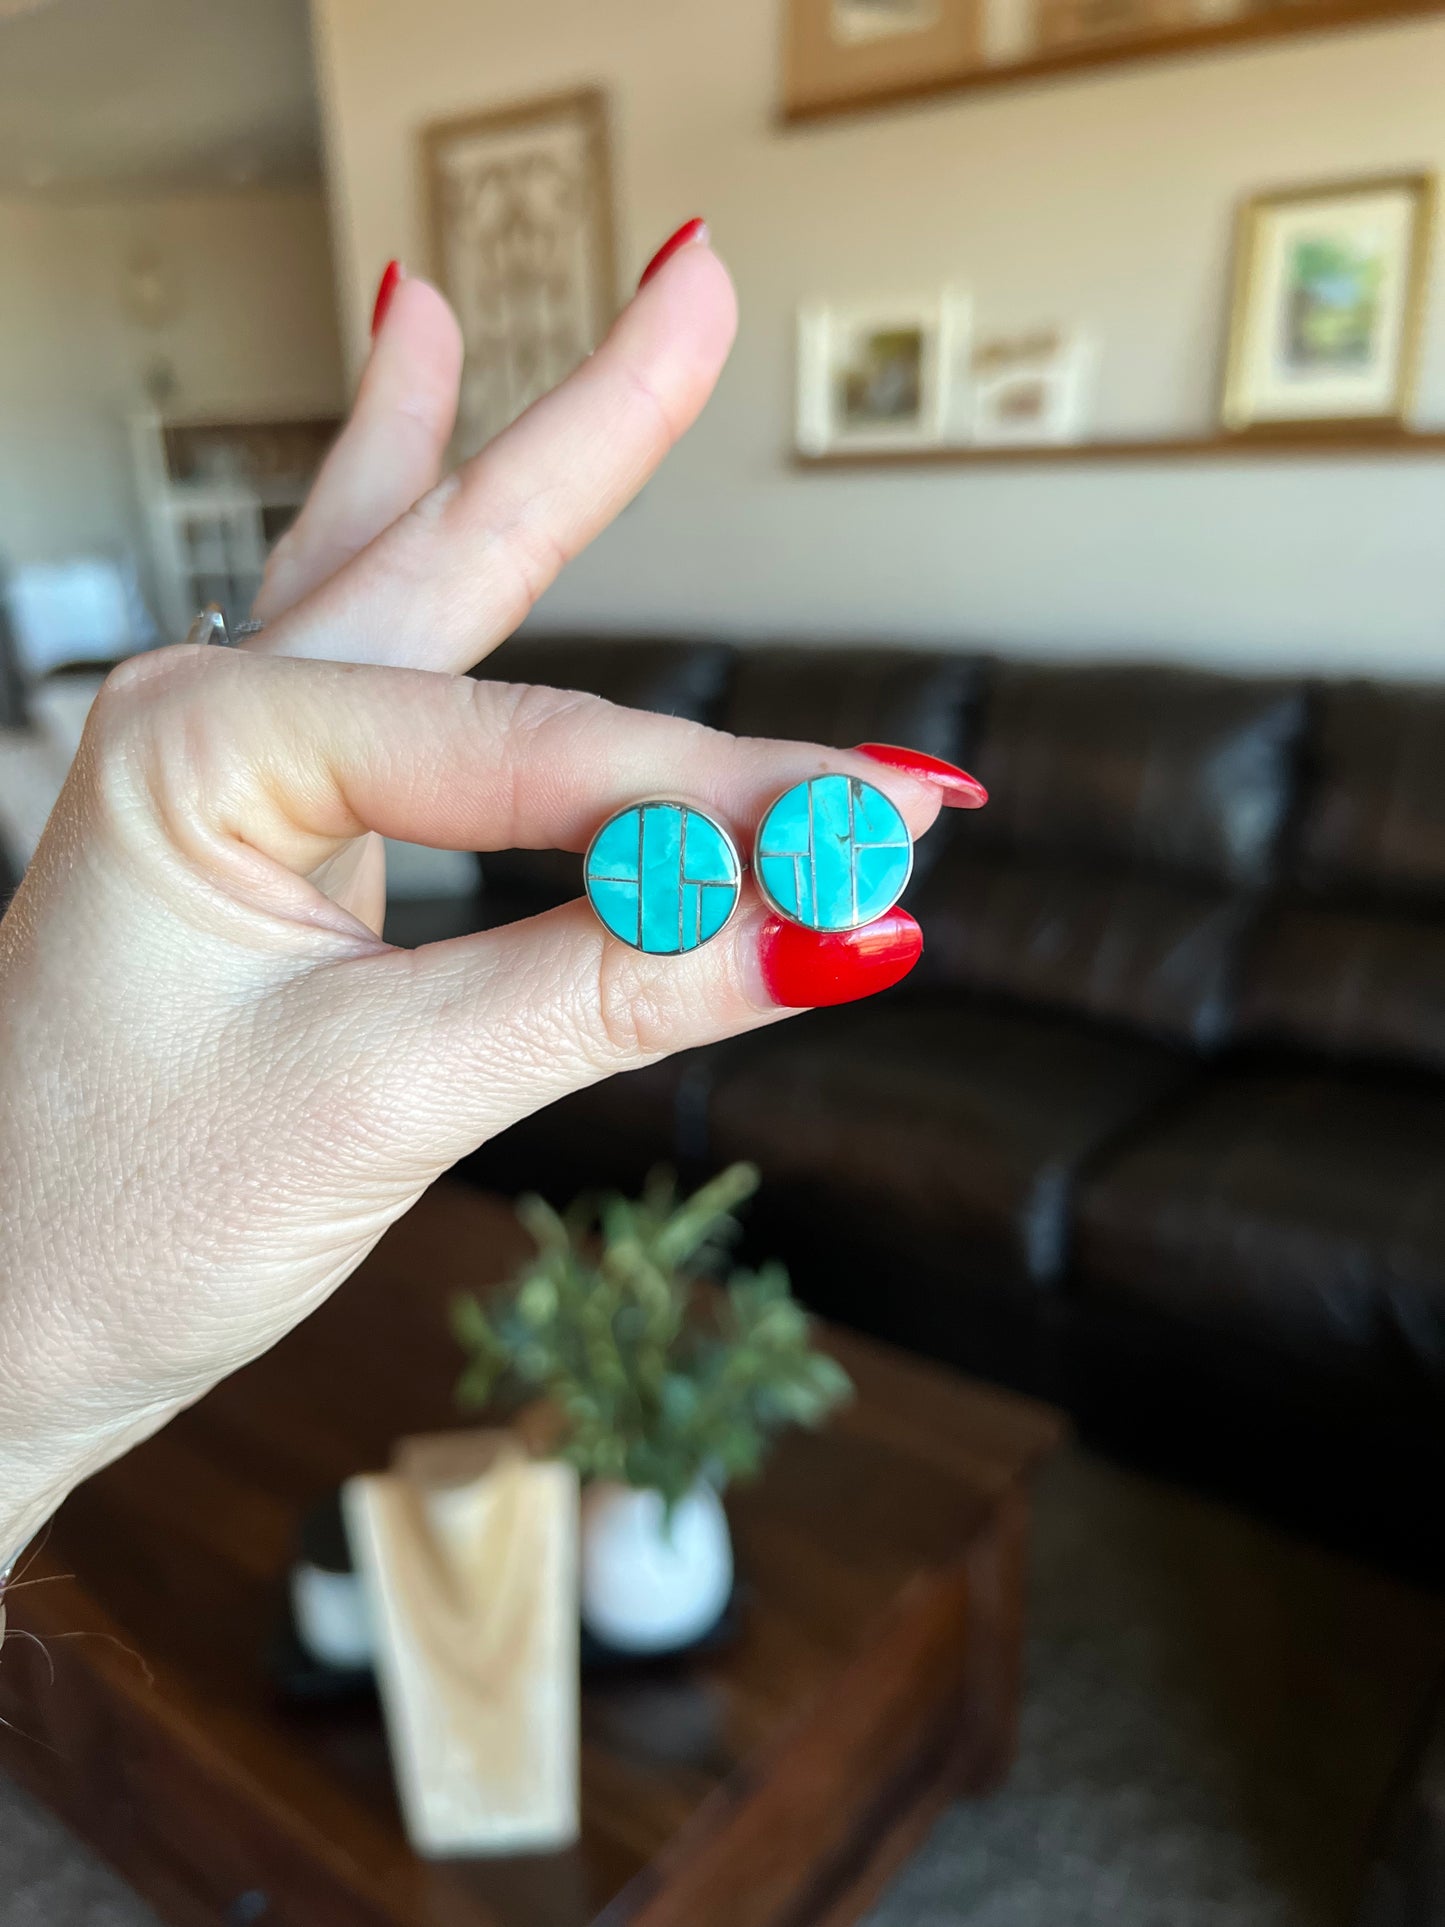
[(959, 790), (391, 280), (805, 969), (690, 231)]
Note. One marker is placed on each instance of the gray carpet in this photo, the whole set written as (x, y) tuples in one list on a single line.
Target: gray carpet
[(1212, 1717)]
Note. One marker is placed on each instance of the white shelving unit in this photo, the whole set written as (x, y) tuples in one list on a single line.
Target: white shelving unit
[(216, 494)]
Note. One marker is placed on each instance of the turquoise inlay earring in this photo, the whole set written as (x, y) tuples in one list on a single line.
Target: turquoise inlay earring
[(832, 853), (663, 877)]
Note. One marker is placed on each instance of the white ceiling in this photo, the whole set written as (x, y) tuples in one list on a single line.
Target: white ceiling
[(118, 96)]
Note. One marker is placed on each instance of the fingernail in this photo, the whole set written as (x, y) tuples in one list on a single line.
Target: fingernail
[(806, 969), (959, 790), (690, 231), (391, 280)]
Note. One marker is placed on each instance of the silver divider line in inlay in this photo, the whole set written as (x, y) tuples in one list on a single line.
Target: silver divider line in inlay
[(641, 829), (681, 876), (812, 858), (853, 848)]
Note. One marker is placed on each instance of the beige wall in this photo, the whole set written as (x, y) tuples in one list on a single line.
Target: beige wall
[(254, 331), (1106, 201)]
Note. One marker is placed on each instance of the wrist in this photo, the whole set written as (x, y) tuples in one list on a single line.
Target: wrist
[(35, 1485), (9, 1566), (38, 1472)]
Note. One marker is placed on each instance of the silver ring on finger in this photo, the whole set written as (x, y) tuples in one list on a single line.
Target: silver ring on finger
[(211, 626)]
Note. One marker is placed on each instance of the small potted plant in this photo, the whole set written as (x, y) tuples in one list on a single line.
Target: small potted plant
[(661, 1388)]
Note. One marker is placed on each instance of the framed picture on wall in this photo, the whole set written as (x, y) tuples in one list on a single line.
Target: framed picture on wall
[(522, 235), (1032, 389), (877, 375), (844, 52), (1328, 299)]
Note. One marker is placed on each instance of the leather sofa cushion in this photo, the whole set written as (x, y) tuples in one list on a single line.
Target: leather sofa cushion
[(1374, 819), (521, 883), (923, 699), (1349, 984), (1152, 952), (673, 678), (963, 1120), (1173, 769), (1305, 1213)]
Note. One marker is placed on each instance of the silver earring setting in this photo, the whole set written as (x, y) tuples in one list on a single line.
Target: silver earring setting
[(832, 853), (663, 876)]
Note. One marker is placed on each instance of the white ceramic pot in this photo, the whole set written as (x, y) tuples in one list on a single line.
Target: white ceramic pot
[(648, 1585)]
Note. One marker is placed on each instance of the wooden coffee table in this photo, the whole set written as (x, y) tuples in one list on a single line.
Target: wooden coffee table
[(774, 1783)]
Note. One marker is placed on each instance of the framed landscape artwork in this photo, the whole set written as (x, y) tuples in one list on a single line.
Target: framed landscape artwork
[(1329, 294), (843, 52), (523, 243)]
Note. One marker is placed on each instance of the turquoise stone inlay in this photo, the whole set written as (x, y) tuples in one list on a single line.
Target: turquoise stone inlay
[(663, 877), (833, 853)]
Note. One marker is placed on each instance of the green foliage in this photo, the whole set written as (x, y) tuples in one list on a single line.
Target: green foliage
[(658, 1380)]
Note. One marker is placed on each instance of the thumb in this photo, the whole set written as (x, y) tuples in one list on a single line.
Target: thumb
[(265, 767)]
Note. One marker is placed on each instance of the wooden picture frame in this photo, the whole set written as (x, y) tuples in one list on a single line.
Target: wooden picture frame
[(1064, 26), (523, 242), (840, 53), (1016, 42), (1327, 305)]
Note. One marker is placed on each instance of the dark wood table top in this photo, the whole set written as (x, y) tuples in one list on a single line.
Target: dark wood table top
[(854, 1548)]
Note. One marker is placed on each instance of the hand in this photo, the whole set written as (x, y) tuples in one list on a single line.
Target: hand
[(218, 1086)]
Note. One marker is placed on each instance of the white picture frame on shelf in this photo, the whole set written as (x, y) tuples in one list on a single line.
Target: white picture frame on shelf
[(879, 375), (1031, 390)]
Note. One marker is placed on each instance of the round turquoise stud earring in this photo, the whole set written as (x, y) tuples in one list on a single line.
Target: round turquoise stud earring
[(663, 877), (832, 853)]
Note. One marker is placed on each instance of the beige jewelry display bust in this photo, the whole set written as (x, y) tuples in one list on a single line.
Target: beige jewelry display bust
[(468, 1555)]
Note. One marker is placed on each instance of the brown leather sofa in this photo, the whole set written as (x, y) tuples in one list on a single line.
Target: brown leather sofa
[(1157, 1128)]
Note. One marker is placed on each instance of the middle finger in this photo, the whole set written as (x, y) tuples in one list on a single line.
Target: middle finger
[(453, 578)]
